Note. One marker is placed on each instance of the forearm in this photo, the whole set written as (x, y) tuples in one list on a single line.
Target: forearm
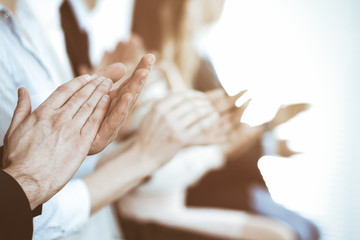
[(116, 177)]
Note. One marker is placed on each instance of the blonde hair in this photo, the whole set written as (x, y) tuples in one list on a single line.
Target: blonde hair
[(168, 27)]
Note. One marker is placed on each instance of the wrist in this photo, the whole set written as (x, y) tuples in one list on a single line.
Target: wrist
[(30, 186), (145, 159), (152, 159)]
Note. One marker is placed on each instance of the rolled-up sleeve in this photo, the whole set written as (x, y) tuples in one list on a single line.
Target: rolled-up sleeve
[(64, 213)]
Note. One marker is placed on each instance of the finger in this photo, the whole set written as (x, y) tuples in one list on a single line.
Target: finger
[(145, 63), (65, 91), (239, 111), (297, 108), (120, 111), (232, 119), (22, 110), (114, 71), (113, 121), (93, 123), (137, 81), (216, 94), (188, 105), (234, 98), (88, 107), (192, 117), (80, 97), (226, 103), (173, 101)]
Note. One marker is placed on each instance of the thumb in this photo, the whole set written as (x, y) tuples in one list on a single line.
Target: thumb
[(22, 110)]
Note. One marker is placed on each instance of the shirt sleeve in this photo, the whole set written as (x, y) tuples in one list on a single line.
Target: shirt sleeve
[(15, 211), (64, 213)]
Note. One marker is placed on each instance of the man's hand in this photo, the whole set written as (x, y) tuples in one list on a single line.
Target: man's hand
[(122, 100), (45, 148)]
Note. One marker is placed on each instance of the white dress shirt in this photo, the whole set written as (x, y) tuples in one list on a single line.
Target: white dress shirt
[(20, 66)]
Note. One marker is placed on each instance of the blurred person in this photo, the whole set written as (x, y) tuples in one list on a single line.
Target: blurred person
[(173, 81), (169, 72), (113, 178), (168, 28), (156, 83)]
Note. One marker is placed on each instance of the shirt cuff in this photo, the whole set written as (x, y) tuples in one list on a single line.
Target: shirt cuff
[(269, 143), (64, 213)]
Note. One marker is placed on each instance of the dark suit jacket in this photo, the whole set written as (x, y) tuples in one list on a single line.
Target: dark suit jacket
[(15, 212)]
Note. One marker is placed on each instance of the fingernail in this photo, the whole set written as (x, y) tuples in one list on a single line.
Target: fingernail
[(87, 77), (105, 98)]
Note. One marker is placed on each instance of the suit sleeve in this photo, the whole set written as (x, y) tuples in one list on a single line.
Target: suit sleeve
[(15, 212)]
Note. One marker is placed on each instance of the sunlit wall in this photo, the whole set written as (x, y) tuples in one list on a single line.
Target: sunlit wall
[(301, 51)]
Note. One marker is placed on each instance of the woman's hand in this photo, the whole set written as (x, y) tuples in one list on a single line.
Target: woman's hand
[(175, 122), (228, 125)]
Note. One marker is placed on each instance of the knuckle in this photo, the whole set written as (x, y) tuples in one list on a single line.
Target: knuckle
[(58, 120), (83, 79), (69, 105), (64, 88), (93, 121), (87, 106), (39, 113), (80, 95)]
